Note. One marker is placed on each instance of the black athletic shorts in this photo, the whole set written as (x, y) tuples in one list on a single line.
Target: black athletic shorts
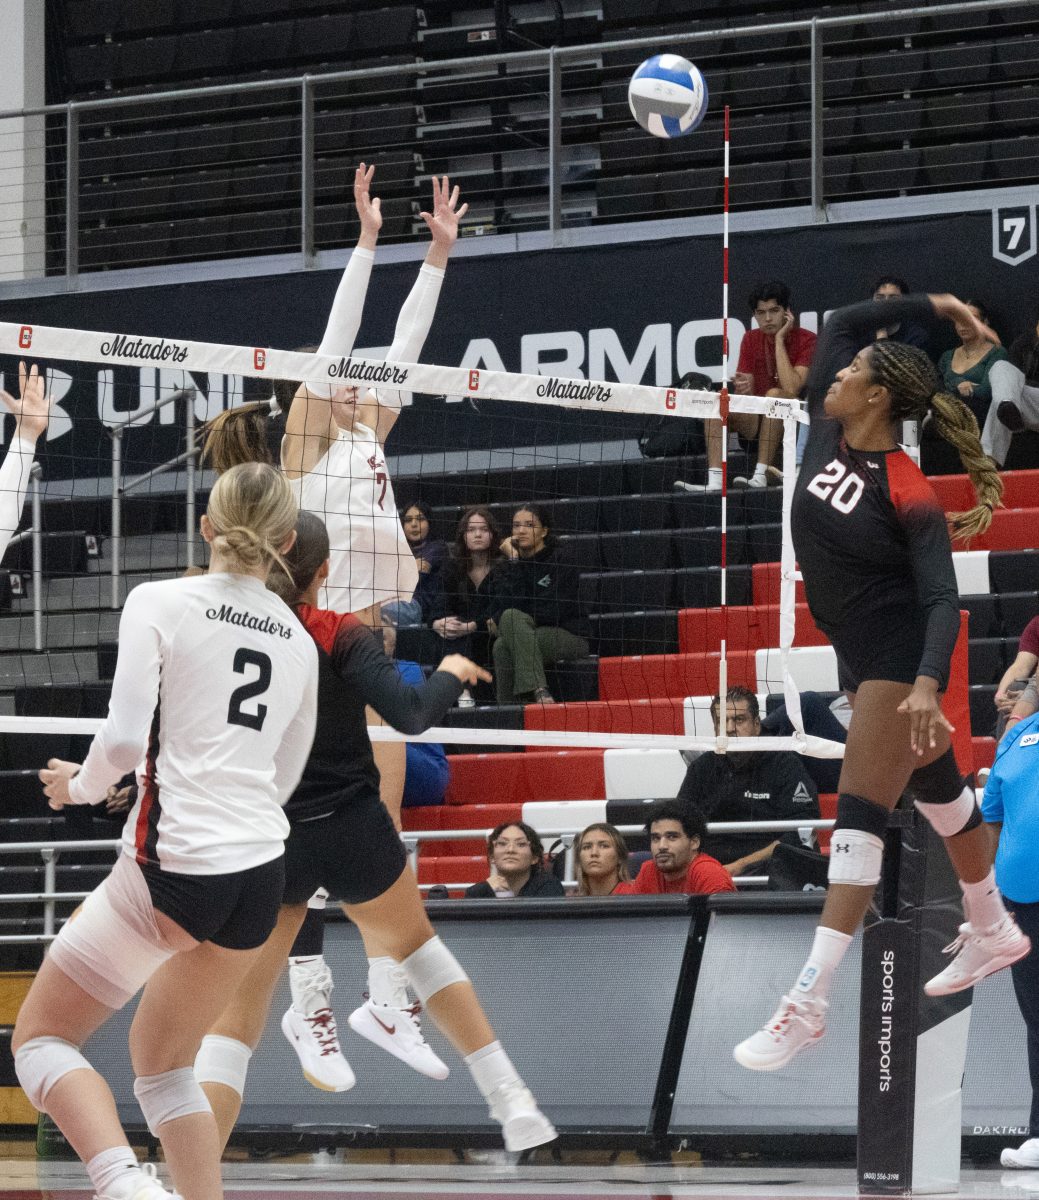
[(236, 911), (891, 653), (355, 853)]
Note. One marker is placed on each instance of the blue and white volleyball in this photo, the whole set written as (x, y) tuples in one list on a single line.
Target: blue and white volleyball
[(668, 96)]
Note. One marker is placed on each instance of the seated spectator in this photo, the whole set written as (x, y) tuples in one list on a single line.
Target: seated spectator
[(889, 287), (429, 554), (965, 370), (770, 785), (676, 833), (1017, 675), (1026, 705), (469, 591), (516, 857), (774, 361), (1015, 396), (818, 719), (541, 620), (600, 860)]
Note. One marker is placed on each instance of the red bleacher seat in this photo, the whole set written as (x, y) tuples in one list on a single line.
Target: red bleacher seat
[(748, 627), (1020, 490), (452, 868), (513, 779), (659, 675), (611, 716), (828, 812), (1011, 529), (765, 584), (984, 752)]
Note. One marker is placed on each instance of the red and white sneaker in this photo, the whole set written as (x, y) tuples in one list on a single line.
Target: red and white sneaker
[(979, 953), (799, 1022), (316, 1042), (399, 1032)]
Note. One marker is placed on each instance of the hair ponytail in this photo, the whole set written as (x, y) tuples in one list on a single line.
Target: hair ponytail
[(236, 436), (253, 512), (959, 427), (915, 387)]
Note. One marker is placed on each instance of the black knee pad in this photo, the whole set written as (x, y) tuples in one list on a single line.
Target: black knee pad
[(856, 812), (939, 782)]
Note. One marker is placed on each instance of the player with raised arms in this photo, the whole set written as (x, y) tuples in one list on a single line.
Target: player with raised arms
[(873, 547), (343, 839), (213, 703), (31, 412)]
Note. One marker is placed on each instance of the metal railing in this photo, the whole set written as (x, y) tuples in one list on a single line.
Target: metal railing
[(50, 853), (547, 88)]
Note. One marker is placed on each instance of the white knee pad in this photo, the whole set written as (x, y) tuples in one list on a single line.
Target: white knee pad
[(112, 946), (949, 819), (432, 968), (855, 858), (223, 1060), (41, 1062), (168, 1096)]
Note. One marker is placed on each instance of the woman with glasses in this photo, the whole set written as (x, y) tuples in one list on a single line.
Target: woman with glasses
[(541, 620), (515, 856)]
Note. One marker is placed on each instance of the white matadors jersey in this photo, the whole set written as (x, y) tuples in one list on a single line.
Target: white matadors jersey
[(213, 703), (349, 488)]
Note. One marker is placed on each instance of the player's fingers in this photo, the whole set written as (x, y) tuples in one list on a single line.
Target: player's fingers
[(462, 211)]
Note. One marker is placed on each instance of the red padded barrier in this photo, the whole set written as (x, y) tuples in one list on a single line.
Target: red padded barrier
[(613, 716), (956, 703), (749, 627), (677, 675), (513, 779), (1014, 529), (1020, 490), (429, 817), (983, 752), (765, 584), (828, 812), (453, 868)]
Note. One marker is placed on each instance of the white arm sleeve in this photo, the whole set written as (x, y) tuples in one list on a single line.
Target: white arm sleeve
[(345, 318), (291, 755), (14, 479), (413, 324), (120, 744)]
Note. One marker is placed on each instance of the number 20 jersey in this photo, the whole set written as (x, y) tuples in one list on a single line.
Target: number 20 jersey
[(214, 705)]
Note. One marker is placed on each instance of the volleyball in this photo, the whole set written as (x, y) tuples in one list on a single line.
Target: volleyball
[(667, 95)]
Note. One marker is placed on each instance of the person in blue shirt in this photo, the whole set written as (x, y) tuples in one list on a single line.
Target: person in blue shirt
[(428, 773), (1011, 807)]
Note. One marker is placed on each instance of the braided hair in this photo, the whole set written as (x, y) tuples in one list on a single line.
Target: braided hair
[(915, 388)]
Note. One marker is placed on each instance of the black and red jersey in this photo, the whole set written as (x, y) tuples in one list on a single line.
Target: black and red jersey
[(354, 672), (870, 535)]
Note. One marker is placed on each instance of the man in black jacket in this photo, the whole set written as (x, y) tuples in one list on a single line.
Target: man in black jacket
[(748, 786)]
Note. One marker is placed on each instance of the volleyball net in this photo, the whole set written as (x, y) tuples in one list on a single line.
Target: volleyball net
[(681, 593)]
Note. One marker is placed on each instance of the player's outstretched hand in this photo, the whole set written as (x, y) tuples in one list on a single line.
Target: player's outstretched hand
[(947, 305), (33, 409), (463, 669), (924, 710), (443, 221), (369, 208), (55, 777)]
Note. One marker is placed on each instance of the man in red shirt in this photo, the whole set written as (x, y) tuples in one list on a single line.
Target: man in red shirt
[(676, 833), (774, 361)]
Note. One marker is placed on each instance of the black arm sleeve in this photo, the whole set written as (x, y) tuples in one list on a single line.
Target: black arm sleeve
[(935, 579), (848, 330), (362, 665)]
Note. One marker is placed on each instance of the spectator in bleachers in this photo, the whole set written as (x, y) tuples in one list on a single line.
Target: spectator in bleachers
[(469, 586), (516, 858), (889, 287), (541, 620), (748, 786), (1016, 677), (774, 361), (1027, 704), (429, 553), (1015, 395), (427, 772), (965, 370), (600, 860), (818, 719), (676, 833)]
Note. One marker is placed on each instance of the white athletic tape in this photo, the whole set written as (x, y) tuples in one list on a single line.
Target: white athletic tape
[(855, 858), (223, 1060), (80, 345), (168, 1096), (432, 968), (41, 1062)]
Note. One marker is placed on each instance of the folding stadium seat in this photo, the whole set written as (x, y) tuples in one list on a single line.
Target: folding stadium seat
[(986, 660), (756, 506), (634, 633), (758, 185), (1015, 109), (200, 237), (958, 116), (210, 51), (1017, 59), (645, 551), (626, 196), (984, 752), (889, 122), (625, 513), (762, 85), (966, 23), (626, 591), (93, 19), (583, 550), (1014, 570), (592, 479), (956, 166), (703, 547), (690, 191), (838, 129), (1015, 610), (574, 516), (642, 774), (701, 587), (1015, 159), (967, 64), (893, 72), (889, 170), (91, 66), (149, 60), (574, 680), (839, 176), (276, 231), (982, 708), (254, 44), (840, 77), (983, 615), (868, 33), (764, 543), (696, 511)]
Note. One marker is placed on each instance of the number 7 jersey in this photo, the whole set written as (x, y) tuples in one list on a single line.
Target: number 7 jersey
[(214, 705)]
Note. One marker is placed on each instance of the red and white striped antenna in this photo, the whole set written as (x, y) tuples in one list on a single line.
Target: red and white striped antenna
[(723, 662)]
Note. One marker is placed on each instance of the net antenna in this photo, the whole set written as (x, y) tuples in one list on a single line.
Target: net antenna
[(723, 410)]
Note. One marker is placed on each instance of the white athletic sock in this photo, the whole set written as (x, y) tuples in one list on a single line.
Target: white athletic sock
[(759, 470), (386, 983), (110, 1166), (490, 1068), (306, 999), (828, 949), (714, 477), (982, 902)]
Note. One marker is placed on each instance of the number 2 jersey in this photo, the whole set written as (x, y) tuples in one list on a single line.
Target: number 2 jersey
[(869, 532), (213, 703)]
